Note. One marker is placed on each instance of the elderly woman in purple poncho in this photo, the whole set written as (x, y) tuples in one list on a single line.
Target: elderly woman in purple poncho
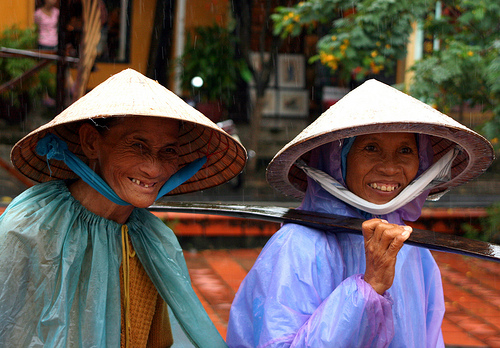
[(377, 154)]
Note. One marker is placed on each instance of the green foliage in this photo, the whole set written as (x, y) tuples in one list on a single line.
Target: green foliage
[(10, 68), (210, 53), (489, 230), (466, 68), (366, 36)]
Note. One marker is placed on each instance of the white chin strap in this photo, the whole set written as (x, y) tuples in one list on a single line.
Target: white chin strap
[(437, 174)]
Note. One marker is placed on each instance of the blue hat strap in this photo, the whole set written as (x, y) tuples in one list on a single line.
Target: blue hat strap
[(55, 148), (182, 175)]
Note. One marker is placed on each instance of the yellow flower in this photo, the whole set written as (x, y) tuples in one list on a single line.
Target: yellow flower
[(301, 4), (343, 47), (470, 53), (327, 58), (334, 38), (375, 68), (333, 65), (374, 54), (378, 43), (494, 141), (296, 18), (346, 42), (289, 28), (387, 46)]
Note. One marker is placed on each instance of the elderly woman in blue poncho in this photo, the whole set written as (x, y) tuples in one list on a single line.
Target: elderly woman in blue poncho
[(82, 262), (377, 154)]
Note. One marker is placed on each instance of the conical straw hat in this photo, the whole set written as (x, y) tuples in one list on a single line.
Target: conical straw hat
[(131, 94), (375, 107)]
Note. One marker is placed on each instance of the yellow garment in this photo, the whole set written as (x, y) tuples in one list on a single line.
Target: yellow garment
[(148, 322)]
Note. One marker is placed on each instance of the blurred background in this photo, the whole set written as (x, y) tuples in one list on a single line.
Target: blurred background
[(264, 70)]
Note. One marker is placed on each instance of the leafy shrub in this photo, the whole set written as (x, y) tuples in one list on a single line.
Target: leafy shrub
[(10, 68)]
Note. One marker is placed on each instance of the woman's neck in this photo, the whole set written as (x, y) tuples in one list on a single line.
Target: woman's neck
[(47, 8), (98, 204)]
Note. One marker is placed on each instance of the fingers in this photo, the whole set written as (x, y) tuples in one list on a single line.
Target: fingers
[(384, 234), (382, 244), (396, 238)]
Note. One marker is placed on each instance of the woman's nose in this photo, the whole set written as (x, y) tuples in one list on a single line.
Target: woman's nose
[(389, 165), (151, 166)]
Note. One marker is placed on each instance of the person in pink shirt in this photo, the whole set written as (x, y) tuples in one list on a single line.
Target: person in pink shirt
[(46, 19)]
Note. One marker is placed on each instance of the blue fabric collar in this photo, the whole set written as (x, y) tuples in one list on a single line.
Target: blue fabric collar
[(55, 148)]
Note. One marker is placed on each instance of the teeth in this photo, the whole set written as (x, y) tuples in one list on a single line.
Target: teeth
[(385, 188), (138, 182)]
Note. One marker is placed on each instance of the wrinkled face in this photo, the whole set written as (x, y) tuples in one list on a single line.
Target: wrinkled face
[(137, 156), (380, 166)]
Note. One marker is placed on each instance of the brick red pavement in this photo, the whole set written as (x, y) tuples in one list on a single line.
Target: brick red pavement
[(471, 290)]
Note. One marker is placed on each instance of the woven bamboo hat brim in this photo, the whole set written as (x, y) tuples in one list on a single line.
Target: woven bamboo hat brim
[(375, 107), (131, 94)]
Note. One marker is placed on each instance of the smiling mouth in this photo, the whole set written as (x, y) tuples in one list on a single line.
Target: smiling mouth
[(140, 183), (384, 187)]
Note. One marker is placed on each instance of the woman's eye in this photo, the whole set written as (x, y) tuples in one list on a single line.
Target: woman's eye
[(406, 150), (370, 148), (171, 150)]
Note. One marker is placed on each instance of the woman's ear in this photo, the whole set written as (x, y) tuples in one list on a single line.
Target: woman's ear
[(89, 137)]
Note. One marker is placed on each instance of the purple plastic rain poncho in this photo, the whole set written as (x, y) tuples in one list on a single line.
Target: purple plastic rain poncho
[(306, 288)]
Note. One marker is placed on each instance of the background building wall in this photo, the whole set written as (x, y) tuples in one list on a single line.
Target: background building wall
[(16, 12)]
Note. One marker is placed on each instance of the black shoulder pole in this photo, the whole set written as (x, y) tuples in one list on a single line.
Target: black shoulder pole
[(335, 224)]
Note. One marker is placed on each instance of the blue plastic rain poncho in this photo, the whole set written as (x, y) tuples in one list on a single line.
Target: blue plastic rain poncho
[(306, 288), (59, 274)]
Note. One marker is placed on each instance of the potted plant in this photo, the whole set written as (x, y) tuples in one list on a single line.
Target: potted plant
[(16, 102), (210, 57)]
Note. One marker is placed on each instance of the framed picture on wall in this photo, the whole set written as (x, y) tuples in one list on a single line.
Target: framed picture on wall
[(270, 101), (256, 62), (293, 103), (291, 71)]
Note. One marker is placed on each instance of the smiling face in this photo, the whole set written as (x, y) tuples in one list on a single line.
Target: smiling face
[(380, 166), (136, 156)]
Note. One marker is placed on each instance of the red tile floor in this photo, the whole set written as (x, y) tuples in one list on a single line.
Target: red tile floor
[(471, 290)]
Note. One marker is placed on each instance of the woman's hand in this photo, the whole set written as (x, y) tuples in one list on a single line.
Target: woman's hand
[(382, 244)]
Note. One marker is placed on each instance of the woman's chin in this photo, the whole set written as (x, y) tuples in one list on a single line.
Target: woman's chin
[(381, 198), (143, 204)]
